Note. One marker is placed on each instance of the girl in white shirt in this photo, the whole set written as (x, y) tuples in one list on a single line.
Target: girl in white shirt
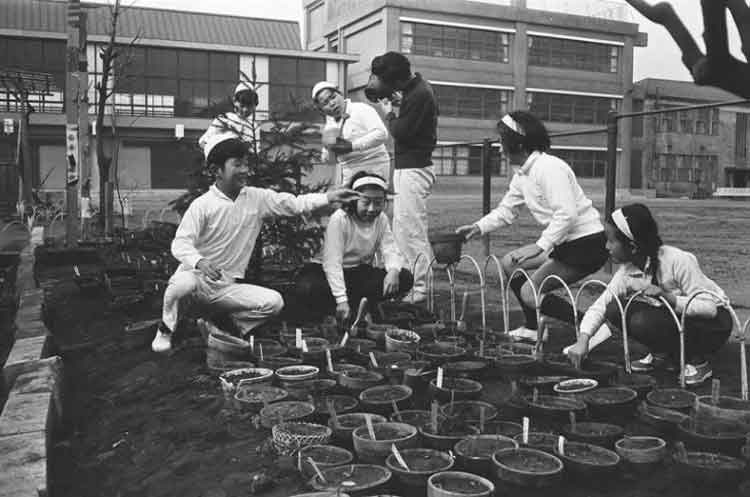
[(355, 233), (659, 271), (572, 243), (354, 136)]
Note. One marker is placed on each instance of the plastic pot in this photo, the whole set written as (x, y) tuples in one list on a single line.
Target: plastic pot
[(458, 484), (642, 453), (527, 467), (356, 381), (709, 469), (469, 411), (601, 434), (455, 389), (415, 417), (252, 398), (447, 435), (712, 436), (398, 340), (380, 399), (375, 451), (588, 461), (474, 453), (676, 399), (421, 463), (355, 479), (345, 424), (324, 456), (611, 402), (446, 247)]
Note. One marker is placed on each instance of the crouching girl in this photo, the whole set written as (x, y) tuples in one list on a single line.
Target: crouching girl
[(345, 273), (658, 271)]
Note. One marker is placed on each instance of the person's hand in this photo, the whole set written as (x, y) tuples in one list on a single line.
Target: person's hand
[(207, 267), (390, 283), (578, 352), (469, 231), (386, 106), (342, 195), (655, 292), (520, 255), (342, 146), (343, 312), (396, 98)]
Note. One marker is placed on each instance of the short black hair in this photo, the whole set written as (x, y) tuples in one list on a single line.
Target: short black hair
[(233, 148), (247, 97), (391, 67), (535, 137)]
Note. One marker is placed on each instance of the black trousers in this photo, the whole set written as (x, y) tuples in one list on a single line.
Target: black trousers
[(314, 299), (655, 328)]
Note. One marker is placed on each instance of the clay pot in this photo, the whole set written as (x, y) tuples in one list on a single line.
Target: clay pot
[(676, 399), (421, 463), (357, 381), (527, 467), (324, 456), (398, 340), (601, 434), (474, 453), (459, 484), (455, 389), (642, 454), (447, 435), (345, 424), (252, 398), (380, 399), (355, 479), (588, 461), (709, 469), (611, 403), (375, 451), (712, 436)]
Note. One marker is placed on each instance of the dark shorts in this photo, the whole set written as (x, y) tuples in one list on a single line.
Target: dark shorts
[(587, 254)]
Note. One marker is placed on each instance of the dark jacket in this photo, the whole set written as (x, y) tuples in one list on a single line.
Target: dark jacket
[(414, 131)]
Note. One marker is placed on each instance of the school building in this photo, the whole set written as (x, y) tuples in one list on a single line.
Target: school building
[(183, 70), (696, 153), (485, 59)]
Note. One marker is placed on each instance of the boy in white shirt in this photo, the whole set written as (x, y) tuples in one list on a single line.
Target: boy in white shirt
[(358, 135), (216, 238), (572, 244), (355, 233)]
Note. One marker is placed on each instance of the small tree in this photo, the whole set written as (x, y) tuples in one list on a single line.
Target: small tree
[(717, 67)]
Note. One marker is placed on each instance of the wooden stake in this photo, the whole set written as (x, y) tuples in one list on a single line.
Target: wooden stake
[(396, 412), (329, 360), (260, 350), (373, 360), (345, 338), (398, 456), (317, 470)]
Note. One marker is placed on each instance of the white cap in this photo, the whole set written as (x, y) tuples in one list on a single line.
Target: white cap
[(215, 139), (242, 86), (323, 85)]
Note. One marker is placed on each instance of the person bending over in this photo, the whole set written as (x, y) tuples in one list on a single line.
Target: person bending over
[(572, 244), (355, 233), (658, 271), (216, 238), (354, 135)]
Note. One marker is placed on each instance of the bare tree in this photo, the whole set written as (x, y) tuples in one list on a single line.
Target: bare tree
[(115, 60), (717, 67)]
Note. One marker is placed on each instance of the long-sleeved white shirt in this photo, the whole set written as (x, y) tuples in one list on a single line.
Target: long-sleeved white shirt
[(678, 273), (229, 122), (350, 242), (365, 130), (548, 187), (224, 231)]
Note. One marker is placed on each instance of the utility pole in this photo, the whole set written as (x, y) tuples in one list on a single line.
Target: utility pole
[(76, 117)]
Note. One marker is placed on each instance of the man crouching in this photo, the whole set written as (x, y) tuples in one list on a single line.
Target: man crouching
[(216, 238)]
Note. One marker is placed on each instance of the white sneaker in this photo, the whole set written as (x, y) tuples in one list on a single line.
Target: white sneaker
[(163, 340), (415, 298), (523, 333), (698, 373)]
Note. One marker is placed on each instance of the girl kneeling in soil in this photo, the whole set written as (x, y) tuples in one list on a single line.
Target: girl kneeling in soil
[(346, 273), (659, 271), (573, 243)]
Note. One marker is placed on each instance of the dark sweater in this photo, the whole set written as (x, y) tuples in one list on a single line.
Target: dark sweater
[(414, 131)]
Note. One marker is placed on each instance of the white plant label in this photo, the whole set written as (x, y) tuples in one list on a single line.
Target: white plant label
[(398, 457), (525, 430), (345, 338), (329, 360), (439, 381), (298, 338), (373, 360)]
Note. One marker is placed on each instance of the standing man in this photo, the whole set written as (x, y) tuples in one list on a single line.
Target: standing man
[(217, 235), (239, 122), (411, 114)]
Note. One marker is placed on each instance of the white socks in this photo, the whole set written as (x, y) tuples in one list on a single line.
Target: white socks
[(601, 336)]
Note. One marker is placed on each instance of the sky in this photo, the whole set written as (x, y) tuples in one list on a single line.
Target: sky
[(660, 59)]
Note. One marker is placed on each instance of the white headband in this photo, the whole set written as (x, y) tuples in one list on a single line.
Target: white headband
[(370, 180), (513, 124), (622, 223)]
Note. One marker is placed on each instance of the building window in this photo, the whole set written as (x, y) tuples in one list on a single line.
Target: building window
[(455, 43), (166, 82), (472, 103), (686, 123), (715, 122), (585, 163), (27, 54), (563, 108), (573, 54), (290, 80)]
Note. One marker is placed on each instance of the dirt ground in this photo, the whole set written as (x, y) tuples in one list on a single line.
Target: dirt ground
[(138, 424)]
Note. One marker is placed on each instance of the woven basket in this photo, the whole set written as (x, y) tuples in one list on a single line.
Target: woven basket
[(290, 437)]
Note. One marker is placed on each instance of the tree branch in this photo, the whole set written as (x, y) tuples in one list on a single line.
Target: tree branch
[(741, 15)]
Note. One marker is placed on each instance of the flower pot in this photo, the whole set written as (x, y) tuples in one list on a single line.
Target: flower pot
[(438, 354), (289, 337), (641, 383), (474, 370), (474, 453), (375, 451), (709, 469), (397, 340), (380, 399), (252, 398), (527, 467), (421, 463), (342, 404), (514, 364), (712, 436), (601, 371), (447, 435), (305, 389), (556, 408), (611, 403), (642, 454), (539, 441), (455, 389), (676, 399), (588, 461), (415, 417), (288, 375), (290, 436), (505, 428), (469, 411), (387, 359), (354, 479), (601, 434), (316, 354), (731, 409), (231, 380), (575, 387), (446, 247), (324, 456), (226, 347), (276, 363), (663, 420), (271, 348), (340, 367), (345, 424), (287, 410), (459, 484), (376, 332), (357, 381)]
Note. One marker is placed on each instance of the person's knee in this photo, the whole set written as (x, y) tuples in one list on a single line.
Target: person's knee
[(507, 264), (405, 280), (275, 303), (638, 323), (181, 285)]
